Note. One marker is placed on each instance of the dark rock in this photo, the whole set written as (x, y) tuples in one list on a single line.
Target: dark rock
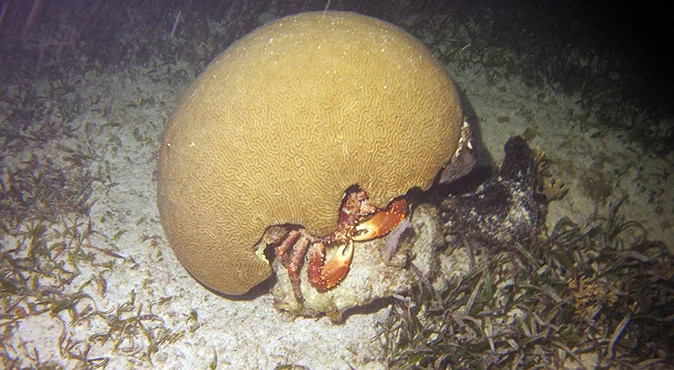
[(501, 211)]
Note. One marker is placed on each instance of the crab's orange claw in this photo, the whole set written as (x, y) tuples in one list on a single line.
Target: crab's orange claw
[(382, 222), (325, 277)]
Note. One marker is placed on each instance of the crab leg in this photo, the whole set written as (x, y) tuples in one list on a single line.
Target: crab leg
[(326, 276), (286, 245), (297, 241), (382, 222)]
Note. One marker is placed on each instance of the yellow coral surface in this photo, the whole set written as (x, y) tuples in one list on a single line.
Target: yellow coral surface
[(286, 119)]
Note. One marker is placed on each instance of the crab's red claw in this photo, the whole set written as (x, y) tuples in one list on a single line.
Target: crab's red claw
[(325, 277), (382, 222)]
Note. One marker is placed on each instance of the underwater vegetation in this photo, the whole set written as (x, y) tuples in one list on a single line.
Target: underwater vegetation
[(554, 44), (55, 265), (596, 295)]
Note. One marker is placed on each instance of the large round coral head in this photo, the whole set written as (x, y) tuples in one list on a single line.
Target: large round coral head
[(283, 122)]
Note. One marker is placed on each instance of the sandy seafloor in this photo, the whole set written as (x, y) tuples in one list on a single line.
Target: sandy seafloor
[(122, 125)]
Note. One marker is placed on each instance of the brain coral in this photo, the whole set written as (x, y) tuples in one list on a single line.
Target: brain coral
[(283, 122)]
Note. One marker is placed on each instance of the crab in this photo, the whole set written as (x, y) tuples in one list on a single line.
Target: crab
[(359, 220)]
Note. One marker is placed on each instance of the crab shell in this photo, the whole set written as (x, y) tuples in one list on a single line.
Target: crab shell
[(283, 122)]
